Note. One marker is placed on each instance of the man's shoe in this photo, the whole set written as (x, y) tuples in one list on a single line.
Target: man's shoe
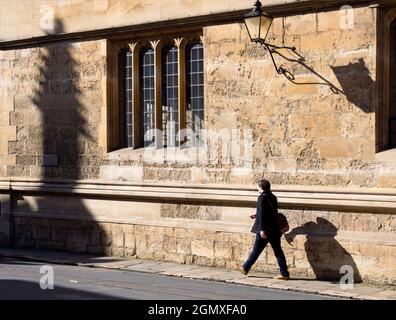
[(241, 270), (280, 277)]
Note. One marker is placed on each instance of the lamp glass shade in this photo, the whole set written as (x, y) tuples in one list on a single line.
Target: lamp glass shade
[(258, 26)]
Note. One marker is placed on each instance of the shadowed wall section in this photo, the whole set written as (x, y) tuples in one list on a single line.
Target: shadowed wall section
[(57, 109)]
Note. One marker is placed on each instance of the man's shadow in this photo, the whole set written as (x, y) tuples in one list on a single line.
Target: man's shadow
[(325, 255)]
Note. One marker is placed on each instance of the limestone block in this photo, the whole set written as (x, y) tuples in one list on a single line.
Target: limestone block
[(338, 147), (283, 165), (234, 49), (154, 242), (241, 252), (8, 133), (223, 250), (242, 175), (329, 20), (237, 215), (387, 223), (117, 239), (359, 222), (202, 248), (105, 238), (142, 251), (303, 86), (129, 240), (197, 234), (257, 71), (6, 103), (198, 175), (320, 43), (7, 161), (299, 25), (177, 258), (356, 39), (209, 213), (386, 181), (311, 125), (118, 252), (183, 246), (116, 173), (223, 33), (169, 245), (181, 233), (165, 174), (4, 119)]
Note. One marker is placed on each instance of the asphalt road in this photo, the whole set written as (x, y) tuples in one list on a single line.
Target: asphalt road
[(21, 280)]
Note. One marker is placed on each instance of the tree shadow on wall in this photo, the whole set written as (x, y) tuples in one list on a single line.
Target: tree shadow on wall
[(354, 78), (58, 101), (325, 255), (59, 161)]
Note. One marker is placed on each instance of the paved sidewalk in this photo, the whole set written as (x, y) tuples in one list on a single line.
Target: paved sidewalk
[(360, 291)]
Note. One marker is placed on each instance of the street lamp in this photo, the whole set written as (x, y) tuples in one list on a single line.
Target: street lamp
[(258, 24)]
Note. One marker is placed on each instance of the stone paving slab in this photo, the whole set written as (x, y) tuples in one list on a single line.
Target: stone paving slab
[(183, 271), (367, 291), (37, 255), (59, 257), (111, 264), (90, 262), (251, 282), (385, 295), (202, 275), (210, 275), (149, 267), (229, 276), (360, 291), (340, 293)]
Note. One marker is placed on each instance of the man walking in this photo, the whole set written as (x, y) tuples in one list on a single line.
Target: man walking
[(267, 230)]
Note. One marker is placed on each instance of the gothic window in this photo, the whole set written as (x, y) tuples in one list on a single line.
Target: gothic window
[(158, 94)]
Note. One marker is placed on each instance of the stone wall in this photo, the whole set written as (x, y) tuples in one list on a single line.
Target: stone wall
[(115, 220), (317, 130), (52, 110), (319, 244)]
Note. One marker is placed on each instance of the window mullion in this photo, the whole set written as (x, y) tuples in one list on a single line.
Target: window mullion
[(157, 46), (181, 46), (113, 87), (134, 47)]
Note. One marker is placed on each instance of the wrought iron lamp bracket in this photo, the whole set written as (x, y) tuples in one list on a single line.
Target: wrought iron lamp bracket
[(272, 49)]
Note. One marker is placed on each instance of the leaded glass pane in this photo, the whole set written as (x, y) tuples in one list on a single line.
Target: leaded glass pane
[(128, 81), (195, 91), (147, 108), (170, 108)]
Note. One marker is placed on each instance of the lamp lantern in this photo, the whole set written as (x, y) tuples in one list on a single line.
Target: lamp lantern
[(258, 23)]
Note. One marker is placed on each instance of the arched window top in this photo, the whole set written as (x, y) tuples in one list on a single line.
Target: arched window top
[(390, 17), (146, 51), (196, 43)]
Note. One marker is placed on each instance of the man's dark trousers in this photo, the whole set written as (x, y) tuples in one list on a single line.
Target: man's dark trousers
[(259, 246)]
